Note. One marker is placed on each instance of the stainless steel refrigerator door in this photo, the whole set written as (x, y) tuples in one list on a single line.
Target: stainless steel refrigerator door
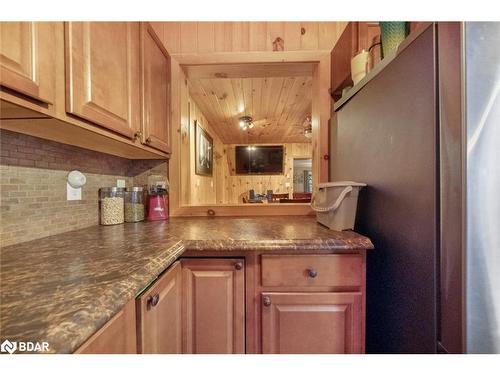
[(482, 61)]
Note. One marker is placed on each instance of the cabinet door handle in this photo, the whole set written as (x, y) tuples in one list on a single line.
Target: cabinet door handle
[(138, 135), (312, 273), (266, 301), (238, 266), (153, 300), (148, 140)]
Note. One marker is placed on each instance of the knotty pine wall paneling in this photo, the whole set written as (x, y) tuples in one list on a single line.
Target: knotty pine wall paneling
[(210, 37), (205, 189)]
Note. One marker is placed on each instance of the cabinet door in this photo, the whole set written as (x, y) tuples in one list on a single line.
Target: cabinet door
[(27, 58), (102, 74), (213, 306), (159, 310), (118, 336), (310, 323), (155, 90)]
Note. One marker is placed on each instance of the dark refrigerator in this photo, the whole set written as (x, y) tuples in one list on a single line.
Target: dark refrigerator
[(386, 136), (422, 132)]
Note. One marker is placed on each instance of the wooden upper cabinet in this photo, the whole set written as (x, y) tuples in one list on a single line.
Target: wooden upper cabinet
[(311, 323), (213, 306), (103, 73), (155, 90), (159, 315), (27, 58), (118, 336)]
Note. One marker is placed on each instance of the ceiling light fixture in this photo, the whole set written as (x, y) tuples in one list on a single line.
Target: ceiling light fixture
[(246, 122)]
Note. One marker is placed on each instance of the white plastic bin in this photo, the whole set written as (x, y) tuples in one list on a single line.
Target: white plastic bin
[(335, 204)]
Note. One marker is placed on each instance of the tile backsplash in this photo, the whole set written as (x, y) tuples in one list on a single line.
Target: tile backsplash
[(33, 185)]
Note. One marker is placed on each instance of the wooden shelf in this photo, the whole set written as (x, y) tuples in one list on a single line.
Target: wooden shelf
[(381, 66)]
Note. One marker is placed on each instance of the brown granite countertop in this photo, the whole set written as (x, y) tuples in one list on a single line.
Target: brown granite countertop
[(263, 233), (61, 289)]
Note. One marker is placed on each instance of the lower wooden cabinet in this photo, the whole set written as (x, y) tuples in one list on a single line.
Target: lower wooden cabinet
[(118, 336), (213, 306), (159, 315), (250, 302), (311, 323)]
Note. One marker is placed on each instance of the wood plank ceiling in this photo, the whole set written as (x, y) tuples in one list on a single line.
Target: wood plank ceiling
[(279, 106)]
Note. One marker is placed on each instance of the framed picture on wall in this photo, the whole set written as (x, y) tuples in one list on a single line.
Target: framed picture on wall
[(203, 151)]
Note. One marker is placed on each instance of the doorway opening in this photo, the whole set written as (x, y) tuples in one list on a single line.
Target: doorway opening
[(302, 177)]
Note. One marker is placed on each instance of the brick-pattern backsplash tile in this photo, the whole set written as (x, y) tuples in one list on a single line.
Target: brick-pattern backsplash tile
[(33, 175), (33, 203)]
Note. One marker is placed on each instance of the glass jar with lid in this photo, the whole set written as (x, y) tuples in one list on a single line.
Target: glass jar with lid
[(111, 205), (134, 204)]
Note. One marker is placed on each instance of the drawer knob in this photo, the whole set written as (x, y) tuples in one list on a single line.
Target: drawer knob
[(312, 273), (153, 300), (266, 301), (238, 266)]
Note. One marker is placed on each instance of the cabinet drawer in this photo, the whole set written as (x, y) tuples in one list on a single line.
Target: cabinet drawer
[(344, 270)]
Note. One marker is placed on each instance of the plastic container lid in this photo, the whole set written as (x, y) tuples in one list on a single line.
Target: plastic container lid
[(340, 183), (113, 189)]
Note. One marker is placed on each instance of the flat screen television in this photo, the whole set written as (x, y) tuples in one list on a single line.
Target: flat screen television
[(259, 159)]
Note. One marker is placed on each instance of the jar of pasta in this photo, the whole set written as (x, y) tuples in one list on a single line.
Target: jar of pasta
[(134, 204), (111, 205)]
